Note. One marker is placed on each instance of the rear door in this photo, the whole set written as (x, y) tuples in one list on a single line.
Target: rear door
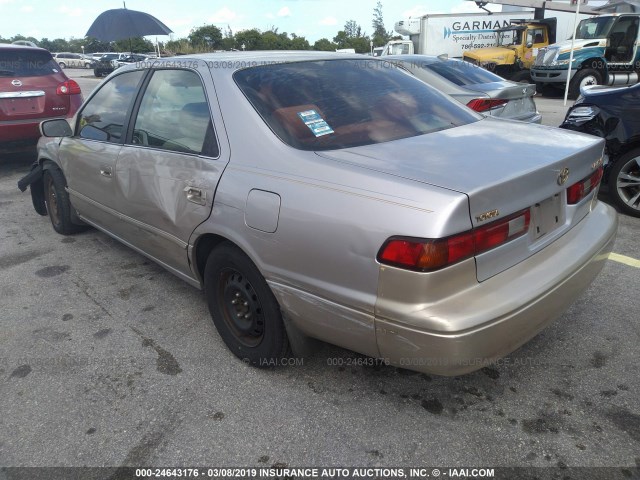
[(168, 173), (29, 79)]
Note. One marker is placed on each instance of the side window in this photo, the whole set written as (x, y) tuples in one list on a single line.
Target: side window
[(174, 115), (104, 116), (535, 36)]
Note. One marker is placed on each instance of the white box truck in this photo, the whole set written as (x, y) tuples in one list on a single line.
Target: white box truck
[(450, 34)]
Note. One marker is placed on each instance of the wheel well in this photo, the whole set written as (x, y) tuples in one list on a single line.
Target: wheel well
[(595, 63), (203, 247)]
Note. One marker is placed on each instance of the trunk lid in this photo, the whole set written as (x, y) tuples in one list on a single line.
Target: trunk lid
[(519, 97), (503, 167)]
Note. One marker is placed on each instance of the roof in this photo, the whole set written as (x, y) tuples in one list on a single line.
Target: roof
[(237, 60), (13, 46), (620, 6)]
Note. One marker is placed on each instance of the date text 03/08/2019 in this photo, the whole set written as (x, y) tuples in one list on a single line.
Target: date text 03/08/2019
[(328, 473)]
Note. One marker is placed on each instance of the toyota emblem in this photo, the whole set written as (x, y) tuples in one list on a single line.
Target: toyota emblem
[(564, 176), (16, 83)]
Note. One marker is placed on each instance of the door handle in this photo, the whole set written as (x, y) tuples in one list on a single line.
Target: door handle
[(196, 195), (105, 171)]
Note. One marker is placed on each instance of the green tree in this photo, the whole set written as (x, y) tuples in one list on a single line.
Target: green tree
[(352, 37), (299, 43), (229, 41), (325, 45), (272, 40), (380, 35), (207, 36), (92, 45), (249, 38), (135, 44), (352, 29)]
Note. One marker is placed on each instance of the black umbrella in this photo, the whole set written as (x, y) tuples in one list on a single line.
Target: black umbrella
[(121, 23)]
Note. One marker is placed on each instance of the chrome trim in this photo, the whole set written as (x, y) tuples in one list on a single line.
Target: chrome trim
[(563, 176), (144, 226), (24, 94)]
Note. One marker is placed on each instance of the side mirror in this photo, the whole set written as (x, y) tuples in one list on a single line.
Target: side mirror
[(55, 128), (529, 45)]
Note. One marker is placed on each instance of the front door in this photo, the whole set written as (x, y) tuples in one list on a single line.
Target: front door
[(89, 157)]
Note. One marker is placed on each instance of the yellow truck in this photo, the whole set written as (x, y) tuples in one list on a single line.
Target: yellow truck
[(516, 48)]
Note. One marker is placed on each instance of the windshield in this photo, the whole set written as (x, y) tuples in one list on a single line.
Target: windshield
[(594, 28), (26, 63), (509, 37), (323, 105)]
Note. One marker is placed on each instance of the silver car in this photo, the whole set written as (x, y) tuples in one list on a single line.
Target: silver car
[(475, 87), (333, 196)]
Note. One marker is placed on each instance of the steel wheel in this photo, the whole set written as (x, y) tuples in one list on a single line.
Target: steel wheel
[(583, 78), (52, 201), (624, 183), (57, 202), (589, 80), (241, 307)]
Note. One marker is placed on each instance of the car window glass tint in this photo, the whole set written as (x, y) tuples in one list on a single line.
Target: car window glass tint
[(321, 105), (26, 63), (107, 110), (174, 114), (462, 73)]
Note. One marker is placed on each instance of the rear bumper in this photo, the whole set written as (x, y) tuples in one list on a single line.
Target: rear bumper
[(27, 132), (467, 331)]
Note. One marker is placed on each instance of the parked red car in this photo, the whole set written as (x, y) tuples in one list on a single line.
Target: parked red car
[(32, 88)]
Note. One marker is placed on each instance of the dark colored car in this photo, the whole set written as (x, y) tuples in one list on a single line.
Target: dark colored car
[(133, 58), (103, 65), (613, 114), (32, 88)]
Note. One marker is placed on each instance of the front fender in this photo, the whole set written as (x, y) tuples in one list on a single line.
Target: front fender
[(34, 181), (47, 153)]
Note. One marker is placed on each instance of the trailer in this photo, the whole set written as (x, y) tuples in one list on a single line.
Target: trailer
[(450, 34)]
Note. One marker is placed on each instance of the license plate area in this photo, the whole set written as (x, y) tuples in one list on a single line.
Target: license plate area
[(22, 104), (547, 215)]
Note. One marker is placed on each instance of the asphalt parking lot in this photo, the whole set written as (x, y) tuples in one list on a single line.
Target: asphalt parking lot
[(108, 360)]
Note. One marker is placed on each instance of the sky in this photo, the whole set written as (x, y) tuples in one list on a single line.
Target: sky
[(313, 19)]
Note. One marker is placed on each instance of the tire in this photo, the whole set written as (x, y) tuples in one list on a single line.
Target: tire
[(583, 77), (243, 308), (521, 76), (62, 65), (57, 201), (624, 183)]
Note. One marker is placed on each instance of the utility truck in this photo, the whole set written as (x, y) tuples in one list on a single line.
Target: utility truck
[(605, 53), (451, 34), (517, 46)]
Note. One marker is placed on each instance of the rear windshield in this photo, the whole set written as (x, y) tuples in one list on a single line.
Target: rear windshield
[(462, 73), (323, 105), (26, 63)]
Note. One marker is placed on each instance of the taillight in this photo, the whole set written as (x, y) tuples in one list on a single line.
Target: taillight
[(578, 191), (485, 104), (70, 87), (427, 255)]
